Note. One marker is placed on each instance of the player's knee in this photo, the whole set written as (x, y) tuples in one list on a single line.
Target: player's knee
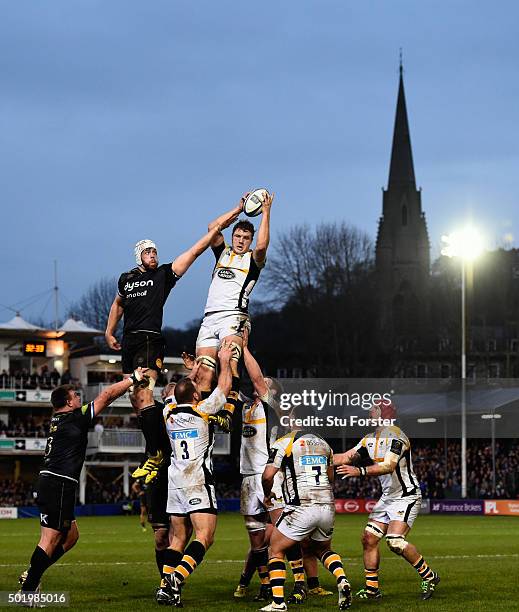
[(371, 536), (161, 537), (254, 524), (396, 543)]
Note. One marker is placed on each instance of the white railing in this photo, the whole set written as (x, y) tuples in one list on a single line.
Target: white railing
[(116, 441)]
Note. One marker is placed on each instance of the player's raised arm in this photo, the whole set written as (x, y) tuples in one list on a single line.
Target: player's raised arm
[(263, 237), (182, 263), (252, 367), (386, 466), (223, 221), (139, 378), (116, 312), (346, 458)]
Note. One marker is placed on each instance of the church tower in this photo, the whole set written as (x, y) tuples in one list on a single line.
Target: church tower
[(402, 248)]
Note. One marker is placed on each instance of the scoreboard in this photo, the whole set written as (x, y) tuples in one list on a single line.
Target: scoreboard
[(35, 349)]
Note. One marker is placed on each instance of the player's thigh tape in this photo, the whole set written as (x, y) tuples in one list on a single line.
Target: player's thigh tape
[(253, 523), (209, 362), (396, 543), (374, 530)]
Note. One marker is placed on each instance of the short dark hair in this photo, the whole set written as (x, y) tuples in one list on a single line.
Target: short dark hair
[(244, 225), (59, 397), (184, 391)]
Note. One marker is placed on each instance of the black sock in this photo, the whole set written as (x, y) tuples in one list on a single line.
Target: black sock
[(171, 559), (261, 560), (313, 582), (163, 438), (152, 423), (40, 561), (294, 556), (159, 558), (248, 571), (59, 551)]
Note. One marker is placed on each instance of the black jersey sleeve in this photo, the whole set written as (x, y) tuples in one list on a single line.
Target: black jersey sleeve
[(87, 415), (171, 277), (218, 250), (120, 285)]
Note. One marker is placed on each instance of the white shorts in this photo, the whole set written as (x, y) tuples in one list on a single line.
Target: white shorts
[(300, 522), (200, 498), (404, 509), (277, 501), (251, 497), (218, 325)]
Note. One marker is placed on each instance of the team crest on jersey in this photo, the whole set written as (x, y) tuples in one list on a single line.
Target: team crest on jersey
[(226, 274), (158, 363), (248, 431)]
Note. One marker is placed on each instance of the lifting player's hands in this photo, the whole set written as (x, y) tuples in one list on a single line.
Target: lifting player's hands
[(267, 500), (112, 342), (348, 471), (189, 360), (222, 419), (245, 334), (141, 377), (225, 352)]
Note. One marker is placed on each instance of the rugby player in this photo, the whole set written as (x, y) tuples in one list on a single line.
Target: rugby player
[(59, 477), (260, 428), (260, 417), (386, 453), (235, 273), (191, 492), (306, 461), (141, 295)]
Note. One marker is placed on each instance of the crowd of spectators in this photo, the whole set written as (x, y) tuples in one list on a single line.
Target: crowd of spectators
[(25, 427), (42, 378), (437, 467)]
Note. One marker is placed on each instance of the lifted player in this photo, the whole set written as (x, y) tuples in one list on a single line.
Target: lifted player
[(386, 453), (59, 477), (307, 464), (141, 295), (235, 273), (191, 492)]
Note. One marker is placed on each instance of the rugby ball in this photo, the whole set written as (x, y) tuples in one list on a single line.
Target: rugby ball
[(253, 204)]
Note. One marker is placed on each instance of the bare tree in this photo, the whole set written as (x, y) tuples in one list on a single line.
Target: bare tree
[(94, 305), (327, 261)]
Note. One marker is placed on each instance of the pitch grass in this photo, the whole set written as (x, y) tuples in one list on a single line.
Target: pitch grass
[(113, 566)]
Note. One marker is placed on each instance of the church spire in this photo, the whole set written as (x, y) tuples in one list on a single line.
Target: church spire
[(401, 170)]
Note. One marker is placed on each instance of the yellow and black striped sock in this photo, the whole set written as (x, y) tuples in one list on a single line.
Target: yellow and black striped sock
[(423, 569), (193, 556), (333, 563), (277, 575), (371, 576)]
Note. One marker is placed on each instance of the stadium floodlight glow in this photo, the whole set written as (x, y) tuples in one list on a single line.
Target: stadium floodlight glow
[(466, 243), (111, 361), (490, 416), (426, 420)]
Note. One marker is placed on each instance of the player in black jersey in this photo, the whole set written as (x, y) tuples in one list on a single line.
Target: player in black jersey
[(141, 295), (62, 463)]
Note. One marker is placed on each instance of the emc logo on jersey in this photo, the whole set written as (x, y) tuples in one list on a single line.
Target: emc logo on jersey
[(226, 274), (132, 286)]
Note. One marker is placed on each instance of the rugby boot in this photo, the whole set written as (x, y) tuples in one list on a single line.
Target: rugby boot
[(429, 586), (320, 592), (164, 595), (298, 595), (367, 594), (240, 592), (274, 607), (344, 595), (264, 594), (150, 468)]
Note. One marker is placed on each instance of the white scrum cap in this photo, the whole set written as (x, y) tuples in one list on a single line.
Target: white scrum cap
[(141, 246)]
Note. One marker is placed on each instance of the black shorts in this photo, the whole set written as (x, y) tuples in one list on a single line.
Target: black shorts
[(56, 501), (157, 500), (142, 349)]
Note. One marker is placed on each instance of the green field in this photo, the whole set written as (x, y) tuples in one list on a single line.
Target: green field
[(113, 566)]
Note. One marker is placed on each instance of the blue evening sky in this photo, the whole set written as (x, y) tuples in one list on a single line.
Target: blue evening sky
[(124, 120)]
